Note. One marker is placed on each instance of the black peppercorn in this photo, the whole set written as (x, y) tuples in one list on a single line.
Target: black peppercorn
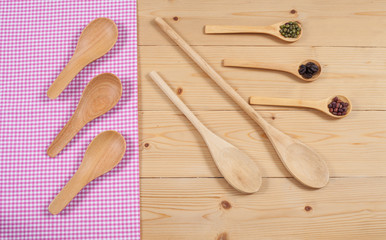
[(308, 70)]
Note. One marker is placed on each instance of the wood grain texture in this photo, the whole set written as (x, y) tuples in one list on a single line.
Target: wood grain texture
[(235, 166), (347, 208), (358, 73), (299, 159), (100, 95), (183, 196), (103, 153), (321, 105), (352, 147), (96, 39), (292, 68), (273, 30), (325, 23)]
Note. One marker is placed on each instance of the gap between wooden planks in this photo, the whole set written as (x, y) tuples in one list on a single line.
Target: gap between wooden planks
[(347, 208), (325, 23), (207, 208), (358, 73), (171, 147)]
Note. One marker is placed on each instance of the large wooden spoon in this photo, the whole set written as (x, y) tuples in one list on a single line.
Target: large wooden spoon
[(236, 167), (270, 29), (289, 67), (321, 105), (300, 160), (102, 155), (96, 40), (101, 94)]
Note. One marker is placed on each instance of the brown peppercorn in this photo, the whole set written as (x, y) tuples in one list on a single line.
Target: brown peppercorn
[(338, 107)]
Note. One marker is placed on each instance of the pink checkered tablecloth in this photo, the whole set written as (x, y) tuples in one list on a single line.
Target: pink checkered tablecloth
[(37, 40)]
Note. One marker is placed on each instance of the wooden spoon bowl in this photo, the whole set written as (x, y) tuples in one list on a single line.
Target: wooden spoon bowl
[(101, 94), (103, 154), (273, 30), (276, 28), (96, 39), (287, 148), (237, 168), (314, 77), (325, 102)]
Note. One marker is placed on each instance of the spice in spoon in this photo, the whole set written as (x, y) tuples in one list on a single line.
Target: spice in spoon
[(308, 70), (290, 30), (338, 107)]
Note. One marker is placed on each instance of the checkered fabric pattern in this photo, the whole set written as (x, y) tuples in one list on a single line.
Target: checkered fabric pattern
[(37, 40)]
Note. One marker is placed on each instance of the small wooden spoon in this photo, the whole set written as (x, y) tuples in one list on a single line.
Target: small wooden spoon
[(98, 37), (271, 30), (291, 68), (101, 94), (103, 154), (321, 105), (236, 167), (299, 159)]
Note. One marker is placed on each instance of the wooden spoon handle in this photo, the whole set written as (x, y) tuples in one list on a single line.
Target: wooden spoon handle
[(68, 192), (177, 101), (235, 29), (69, 131), (209, 70), (73, 67), (230, 62), (282, 102), (299, 159)]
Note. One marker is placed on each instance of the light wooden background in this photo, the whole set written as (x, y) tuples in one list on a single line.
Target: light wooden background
[(183, 196)]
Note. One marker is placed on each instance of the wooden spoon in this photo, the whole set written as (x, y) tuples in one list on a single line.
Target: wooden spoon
[(290, 68), (236, 167), (102, 155), (271, 30), (101, 94), (98, 37), (321, 105), (300, 160)]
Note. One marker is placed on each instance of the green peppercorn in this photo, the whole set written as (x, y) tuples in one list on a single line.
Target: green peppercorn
[(290, 30)]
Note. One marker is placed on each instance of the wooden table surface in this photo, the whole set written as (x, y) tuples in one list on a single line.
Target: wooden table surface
[(183, 195)]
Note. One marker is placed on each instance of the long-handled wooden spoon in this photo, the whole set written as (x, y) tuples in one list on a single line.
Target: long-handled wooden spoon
[(270, 29), (291, 68), (96, 40), (101, 94), (102, 155), (300, 160), (321, 105), (236, 167)]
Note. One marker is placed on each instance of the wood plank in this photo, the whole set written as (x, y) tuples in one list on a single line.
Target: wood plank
[(171, 147), (347, 37), (325, 23), (357, 73), (196, 208)]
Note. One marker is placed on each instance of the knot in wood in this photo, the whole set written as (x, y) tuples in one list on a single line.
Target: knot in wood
[(225, 204), (222, 236)]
